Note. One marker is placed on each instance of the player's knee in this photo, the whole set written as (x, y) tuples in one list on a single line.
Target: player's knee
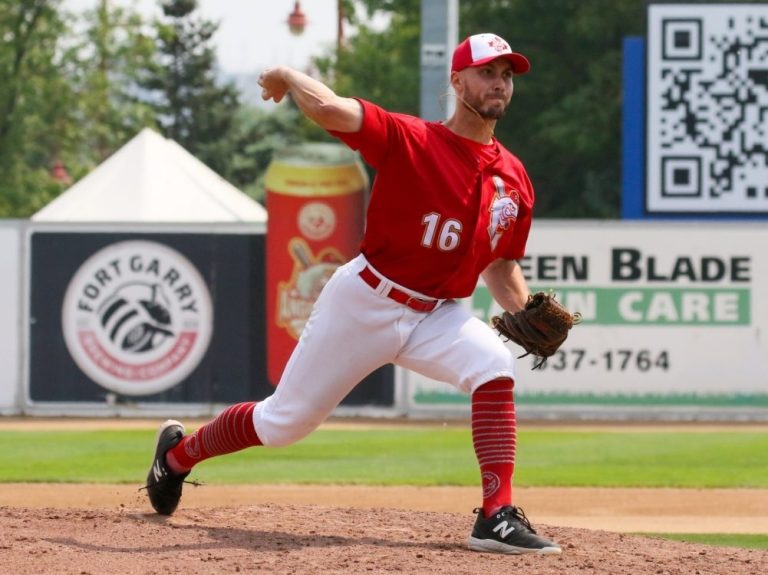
[(279, 438), (282, 436), (489, 367), (499, 356), (282, 426)]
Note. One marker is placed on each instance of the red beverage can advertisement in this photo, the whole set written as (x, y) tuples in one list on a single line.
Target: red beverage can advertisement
[(315, 196)]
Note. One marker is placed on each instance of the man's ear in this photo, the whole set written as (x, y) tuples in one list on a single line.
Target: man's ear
[(456, 81)]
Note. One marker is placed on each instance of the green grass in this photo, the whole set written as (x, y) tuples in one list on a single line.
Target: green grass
[(429, 456), (645, 459), (719, 539)]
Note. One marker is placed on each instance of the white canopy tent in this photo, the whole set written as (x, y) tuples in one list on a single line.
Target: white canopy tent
[(152, 179)]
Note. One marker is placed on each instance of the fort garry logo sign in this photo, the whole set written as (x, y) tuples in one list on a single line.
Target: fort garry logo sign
[(137, 317)]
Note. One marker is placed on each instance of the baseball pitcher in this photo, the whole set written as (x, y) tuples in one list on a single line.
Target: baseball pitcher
[(449, 204)]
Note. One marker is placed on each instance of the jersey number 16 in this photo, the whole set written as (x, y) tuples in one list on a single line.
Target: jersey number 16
[(448, 233)]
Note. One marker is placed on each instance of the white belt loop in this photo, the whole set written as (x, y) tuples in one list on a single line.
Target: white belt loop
[(384, 287)]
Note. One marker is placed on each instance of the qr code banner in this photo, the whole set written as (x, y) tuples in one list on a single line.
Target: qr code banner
[(707, 130)]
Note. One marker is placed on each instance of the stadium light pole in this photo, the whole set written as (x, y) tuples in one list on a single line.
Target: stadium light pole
[(439, 37), (297, 21)]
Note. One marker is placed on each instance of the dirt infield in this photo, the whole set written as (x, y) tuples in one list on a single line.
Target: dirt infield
[(621, 510), (301, 539)]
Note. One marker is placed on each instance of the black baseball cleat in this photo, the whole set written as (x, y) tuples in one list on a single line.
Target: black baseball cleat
[(163, 485), (508, 531)]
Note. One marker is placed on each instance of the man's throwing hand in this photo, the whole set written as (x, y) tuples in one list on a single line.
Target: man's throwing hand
[(273, 84)]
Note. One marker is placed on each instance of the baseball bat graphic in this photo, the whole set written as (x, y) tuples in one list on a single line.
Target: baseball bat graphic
[(301, 251)]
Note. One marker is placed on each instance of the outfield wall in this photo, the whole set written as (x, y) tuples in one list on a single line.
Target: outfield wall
[(139, 319), (674, 323), (10, 316)]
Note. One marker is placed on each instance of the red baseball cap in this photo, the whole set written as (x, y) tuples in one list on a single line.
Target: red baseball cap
[(483, 48)]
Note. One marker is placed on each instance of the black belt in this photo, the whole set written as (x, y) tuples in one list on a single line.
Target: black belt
[(416, 304)]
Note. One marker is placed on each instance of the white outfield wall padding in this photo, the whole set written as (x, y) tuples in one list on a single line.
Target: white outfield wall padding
[(10, 316)]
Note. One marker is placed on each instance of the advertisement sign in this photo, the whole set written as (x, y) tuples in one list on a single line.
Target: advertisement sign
[(707, 96), (137, 317), (133, 321), (146, 317), (671, 316), (315, 194)]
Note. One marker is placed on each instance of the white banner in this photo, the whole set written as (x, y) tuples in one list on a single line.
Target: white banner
[(674, 314), (10, 376)]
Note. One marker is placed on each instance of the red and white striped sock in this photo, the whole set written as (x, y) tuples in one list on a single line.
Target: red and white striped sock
[(494, 437), (232, 430)]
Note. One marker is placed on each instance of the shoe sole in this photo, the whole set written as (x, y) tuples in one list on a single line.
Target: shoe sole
[(491, 546), (166, 424)]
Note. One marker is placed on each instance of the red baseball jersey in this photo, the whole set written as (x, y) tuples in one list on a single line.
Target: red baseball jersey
[(442, 207)]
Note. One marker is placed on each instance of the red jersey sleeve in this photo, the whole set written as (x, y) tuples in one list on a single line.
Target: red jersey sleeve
[(373, 138)]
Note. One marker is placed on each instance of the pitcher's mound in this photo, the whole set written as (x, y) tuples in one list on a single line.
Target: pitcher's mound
[(324, 540)]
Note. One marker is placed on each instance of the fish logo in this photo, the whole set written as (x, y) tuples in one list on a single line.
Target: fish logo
[(504, 210), (499, 45)]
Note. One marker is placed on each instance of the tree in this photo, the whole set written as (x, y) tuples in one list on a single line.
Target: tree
[(109, 59), (32, 95), (67, 97), (565, 117), (360, 68), (190, 107), (258, 135), (564, 120)]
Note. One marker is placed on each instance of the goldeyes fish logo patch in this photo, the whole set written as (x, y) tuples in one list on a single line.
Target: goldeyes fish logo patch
[(503, 211), (499, 45)]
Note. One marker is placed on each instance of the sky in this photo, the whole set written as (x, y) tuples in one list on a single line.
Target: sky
[(253, 34)]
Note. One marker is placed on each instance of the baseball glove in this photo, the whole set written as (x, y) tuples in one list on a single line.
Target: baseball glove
[(540, 328)]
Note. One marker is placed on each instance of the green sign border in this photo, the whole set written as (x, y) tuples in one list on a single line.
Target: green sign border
[(608, 304), (756, 400)]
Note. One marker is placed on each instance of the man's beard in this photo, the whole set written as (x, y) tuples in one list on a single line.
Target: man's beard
[(487, 111)]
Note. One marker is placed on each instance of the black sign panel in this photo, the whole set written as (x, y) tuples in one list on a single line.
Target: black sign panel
[(154, 318)]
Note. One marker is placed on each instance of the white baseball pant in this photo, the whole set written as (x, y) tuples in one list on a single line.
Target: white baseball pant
[(353, 330)]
